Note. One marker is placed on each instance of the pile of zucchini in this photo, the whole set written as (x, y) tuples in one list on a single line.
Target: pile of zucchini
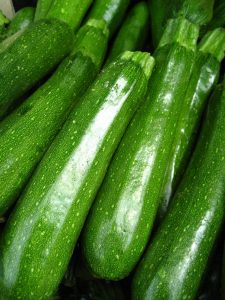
[(112, 159)]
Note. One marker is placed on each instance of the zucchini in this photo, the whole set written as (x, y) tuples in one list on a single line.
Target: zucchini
[(121, 219), (47, 221), (27, 133), (199, 12), (174, 263), (111, 11), (69, 11), (42, 9), (30, 57), (204, 77), (22, 19), (133, 32), (218, 17)]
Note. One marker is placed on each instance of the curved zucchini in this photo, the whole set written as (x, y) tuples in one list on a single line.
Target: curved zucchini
[(22, 20), (204, 77), (133, 32), (121, 220), (71, 12), (111, 11), (42, 9), (173, 265), (40, 235), (30, 57), (27, 133), (199, 12)]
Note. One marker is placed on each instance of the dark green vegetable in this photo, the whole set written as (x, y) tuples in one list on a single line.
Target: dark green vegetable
[(42, 9), (27, 133), (112, 11), (122, 217), (3, 22), (22, 20), (199, 12), (204, 77), (133, 32), (174, 264), (30, 57), (69, 11), (218, 17), (40, 235)]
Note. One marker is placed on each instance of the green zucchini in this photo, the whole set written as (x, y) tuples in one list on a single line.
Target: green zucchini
[(204, 77), (30, 57), (49, 216), (27, 133), (133, 32), (69, 11), (218, 17), (42, 9), (22, 19), (174, 263), (111, 11), (199, 12), (121, 219)]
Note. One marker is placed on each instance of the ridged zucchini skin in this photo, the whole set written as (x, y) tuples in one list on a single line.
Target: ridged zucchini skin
[(21, 20), (69, 11), (111, 11), (199, 12), (120, 222), (204, 77), (175, 261), (40, 236), (30, 57), (42, 9), (27, 133), (133, 32)]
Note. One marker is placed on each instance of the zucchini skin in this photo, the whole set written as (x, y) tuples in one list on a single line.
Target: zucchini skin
[(21, 20), (28, 132), (175, 261), (111, 11), (133, 32), (42, 9), (49, 216), (69, 11), (199, 12), (204, 77), (121, 219), (31, 56)]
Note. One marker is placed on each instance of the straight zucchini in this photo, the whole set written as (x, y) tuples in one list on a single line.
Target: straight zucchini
[(22, 19), (199, 12), (173, 265), (69, 11), (41, 234), (111, 11), (122, 217), (204, 77), (133, 32), (27, 133), (42, 9), (30, 57)]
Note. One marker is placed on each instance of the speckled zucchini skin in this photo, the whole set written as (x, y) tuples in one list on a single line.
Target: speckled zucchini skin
[(26, 134), (69, 11), (173, 265), (21, 20), (122, 217), (204, 77), (41, 234), (133, 32), (111, 11), (31, 56)]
